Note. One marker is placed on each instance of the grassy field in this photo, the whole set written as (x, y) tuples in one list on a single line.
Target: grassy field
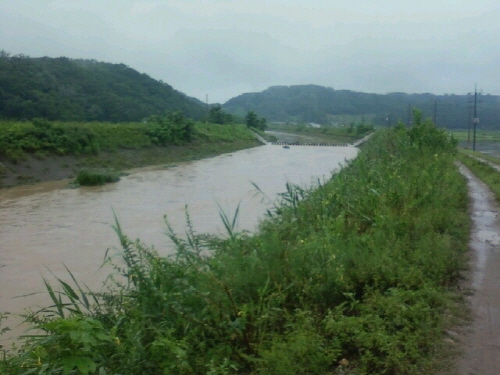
[(487, 141), (357, 276), (481, 135)]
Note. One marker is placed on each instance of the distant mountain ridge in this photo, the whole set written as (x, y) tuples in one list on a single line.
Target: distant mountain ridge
[(324, 105), (85, 90)]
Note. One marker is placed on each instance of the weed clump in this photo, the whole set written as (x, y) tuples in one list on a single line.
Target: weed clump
[(88, 177)]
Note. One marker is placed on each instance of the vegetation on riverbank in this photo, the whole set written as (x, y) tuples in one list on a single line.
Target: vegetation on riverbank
[(30, 151), (88, 177), (44, 138), (354, 277)]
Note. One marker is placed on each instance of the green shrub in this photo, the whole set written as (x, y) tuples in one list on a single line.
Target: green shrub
[(172, 128), (47, 137), (88, 177)]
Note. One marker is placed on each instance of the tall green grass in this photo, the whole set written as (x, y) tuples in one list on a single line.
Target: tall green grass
[(353, 277)]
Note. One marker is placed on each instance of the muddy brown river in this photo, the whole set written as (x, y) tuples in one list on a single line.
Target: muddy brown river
[(44, 227)]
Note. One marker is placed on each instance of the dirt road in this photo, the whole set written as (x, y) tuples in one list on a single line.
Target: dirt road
[(481, 342)]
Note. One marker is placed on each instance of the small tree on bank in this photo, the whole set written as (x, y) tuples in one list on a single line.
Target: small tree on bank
[(253, 121), (216, 115)]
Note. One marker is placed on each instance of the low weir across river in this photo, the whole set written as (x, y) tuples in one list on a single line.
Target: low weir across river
[(309, 144)]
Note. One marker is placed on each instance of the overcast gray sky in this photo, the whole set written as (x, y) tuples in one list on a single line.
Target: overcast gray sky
[(225, 48)]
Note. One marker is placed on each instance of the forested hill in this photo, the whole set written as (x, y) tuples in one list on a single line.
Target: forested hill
[(84, 90), (311, 103)]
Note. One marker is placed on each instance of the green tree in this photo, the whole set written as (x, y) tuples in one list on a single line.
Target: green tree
[(171, 128), (262, 124), (216, 115), (253, 121)]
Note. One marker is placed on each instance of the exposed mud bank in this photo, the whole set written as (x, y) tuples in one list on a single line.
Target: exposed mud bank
[(53, 168), (481, 341), (32, 170)]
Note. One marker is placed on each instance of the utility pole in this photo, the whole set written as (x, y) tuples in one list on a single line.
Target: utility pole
[(435, 112), (476, 119), (208, 109), (409, 114), (469, 125)]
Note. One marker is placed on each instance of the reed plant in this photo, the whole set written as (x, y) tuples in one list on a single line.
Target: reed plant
[(354, 276)]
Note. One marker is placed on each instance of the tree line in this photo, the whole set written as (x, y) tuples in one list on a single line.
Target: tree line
[(324, 105), (216, 115)]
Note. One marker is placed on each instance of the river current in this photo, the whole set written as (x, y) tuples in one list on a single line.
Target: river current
[(47, 227)]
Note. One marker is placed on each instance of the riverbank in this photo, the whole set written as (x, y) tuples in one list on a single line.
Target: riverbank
[(46, 225), (355, 276), (54, 168), (123, 154)]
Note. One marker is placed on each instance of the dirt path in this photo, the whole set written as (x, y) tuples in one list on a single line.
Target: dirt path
[(481, 342)]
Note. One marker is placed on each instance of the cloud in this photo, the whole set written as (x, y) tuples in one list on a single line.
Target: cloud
[(224, 48)]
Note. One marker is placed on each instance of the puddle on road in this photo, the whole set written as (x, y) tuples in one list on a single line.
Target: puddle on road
[(489, 237), (486, 213)]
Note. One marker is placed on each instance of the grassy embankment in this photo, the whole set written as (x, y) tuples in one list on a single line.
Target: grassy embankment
[(485, 172), (105, 148), (354, 277), (489, 175), (481, 135), (487, 141)]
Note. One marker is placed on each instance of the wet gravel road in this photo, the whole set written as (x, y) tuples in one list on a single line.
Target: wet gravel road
[(481, 342)]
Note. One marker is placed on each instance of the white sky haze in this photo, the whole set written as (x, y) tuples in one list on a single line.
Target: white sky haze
[(225, 48)]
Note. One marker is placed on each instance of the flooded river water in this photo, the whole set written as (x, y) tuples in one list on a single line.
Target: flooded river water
[(44, 227)]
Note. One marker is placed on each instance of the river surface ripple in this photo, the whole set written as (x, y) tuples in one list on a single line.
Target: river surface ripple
[(43, 227)]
